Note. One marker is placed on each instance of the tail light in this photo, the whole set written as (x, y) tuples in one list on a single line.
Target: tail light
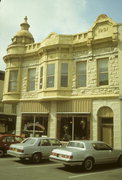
[(67, 156), (62, 155), (20, 150), (54, 154)]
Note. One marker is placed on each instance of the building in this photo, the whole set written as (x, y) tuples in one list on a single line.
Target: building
[(67, 86), (7, 111)]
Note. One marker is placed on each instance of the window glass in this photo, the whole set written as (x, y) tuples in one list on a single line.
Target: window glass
[(76, 144), (13, 81), (55, 142), (103, 72), (34, 125), (8, 139), (81, 74), (69, 128), (50, 75), (29, 141), (41, 77), (18, 139), (45, 142), (64, 75), (101, 146), (31, 79)]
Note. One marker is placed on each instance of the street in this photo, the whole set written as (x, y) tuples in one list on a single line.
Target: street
[(13, 169)]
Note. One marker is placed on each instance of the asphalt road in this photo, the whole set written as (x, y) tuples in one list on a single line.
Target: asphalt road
[(13, 169)]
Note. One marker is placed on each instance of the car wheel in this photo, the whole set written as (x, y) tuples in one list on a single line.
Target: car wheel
[(120, 161), (88, 164), (1, 153), (36, 158), (67, 166)]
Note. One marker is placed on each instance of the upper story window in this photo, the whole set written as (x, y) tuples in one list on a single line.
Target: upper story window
[(31, 79), (102, 72), (41, 77), (50, 75), (81, 74), (13, 81), (64, 75)]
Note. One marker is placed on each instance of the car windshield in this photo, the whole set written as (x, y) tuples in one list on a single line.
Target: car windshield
[(29, 141), (76, 144)]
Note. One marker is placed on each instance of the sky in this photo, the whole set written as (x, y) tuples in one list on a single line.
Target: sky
[(46, 16)]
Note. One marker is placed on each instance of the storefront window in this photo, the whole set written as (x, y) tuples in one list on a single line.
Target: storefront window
[(7, 124), (34, 125), (73, 128)]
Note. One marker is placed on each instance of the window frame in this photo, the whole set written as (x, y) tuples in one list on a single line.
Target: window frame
[(81, 74), (12, 88), (64, 75), (100, 73), (30, 80), (41, 77), (49, 76)]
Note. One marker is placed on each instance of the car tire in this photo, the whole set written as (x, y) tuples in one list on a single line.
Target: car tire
[(1, 153), (67, 166), (88, 164), (120, 161), (36, 158)]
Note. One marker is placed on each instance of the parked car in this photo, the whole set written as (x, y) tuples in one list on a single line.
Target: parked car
[(6, 140), (34, 148), (86, 153)]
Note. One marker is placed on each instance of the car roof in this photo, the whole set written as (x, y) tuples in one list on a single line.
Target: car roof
[(41, 137), (87, 141)]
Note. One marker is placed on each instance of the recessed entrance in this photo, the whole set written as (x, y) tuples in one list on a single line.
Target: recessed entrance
[(105, 125)]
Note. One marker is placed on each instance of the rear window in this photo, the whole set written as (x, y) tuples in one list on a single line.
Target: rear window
[(76, 144), (18, 139), (29, 141)]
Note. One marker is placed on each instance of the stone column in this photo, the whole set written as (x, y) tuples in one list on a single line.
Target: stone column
[(18, 120), (52, 130)]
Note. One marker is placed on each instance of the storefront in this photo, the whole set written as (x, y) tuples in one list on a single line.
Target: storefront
[(73, 127), (7, 124), (34, 125)]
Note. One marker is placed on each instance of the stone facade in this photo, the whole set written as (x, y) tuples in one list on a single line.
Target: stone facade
[(7, 111), (69, 103)]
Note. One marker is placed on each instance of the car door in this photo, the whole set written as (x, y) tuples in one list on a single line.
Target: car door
[(55, 143), (45, 148), (103, 153)]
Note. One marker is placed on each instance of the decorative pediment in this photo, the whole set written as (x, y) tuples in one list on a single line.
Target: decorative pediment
[(104, 27), (52, 38)]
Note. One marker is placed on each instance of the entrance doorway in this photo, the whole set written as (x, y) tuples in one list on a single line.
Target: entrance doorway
[(105, 125)]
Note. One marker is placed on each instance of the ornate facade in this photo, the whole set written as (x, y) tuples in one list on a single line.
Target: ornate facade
[(67, 86), (7, 111)]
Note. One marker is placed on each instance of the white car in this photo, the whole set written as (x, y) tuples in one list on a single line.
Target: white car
[(86, 153), (34, 148)]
